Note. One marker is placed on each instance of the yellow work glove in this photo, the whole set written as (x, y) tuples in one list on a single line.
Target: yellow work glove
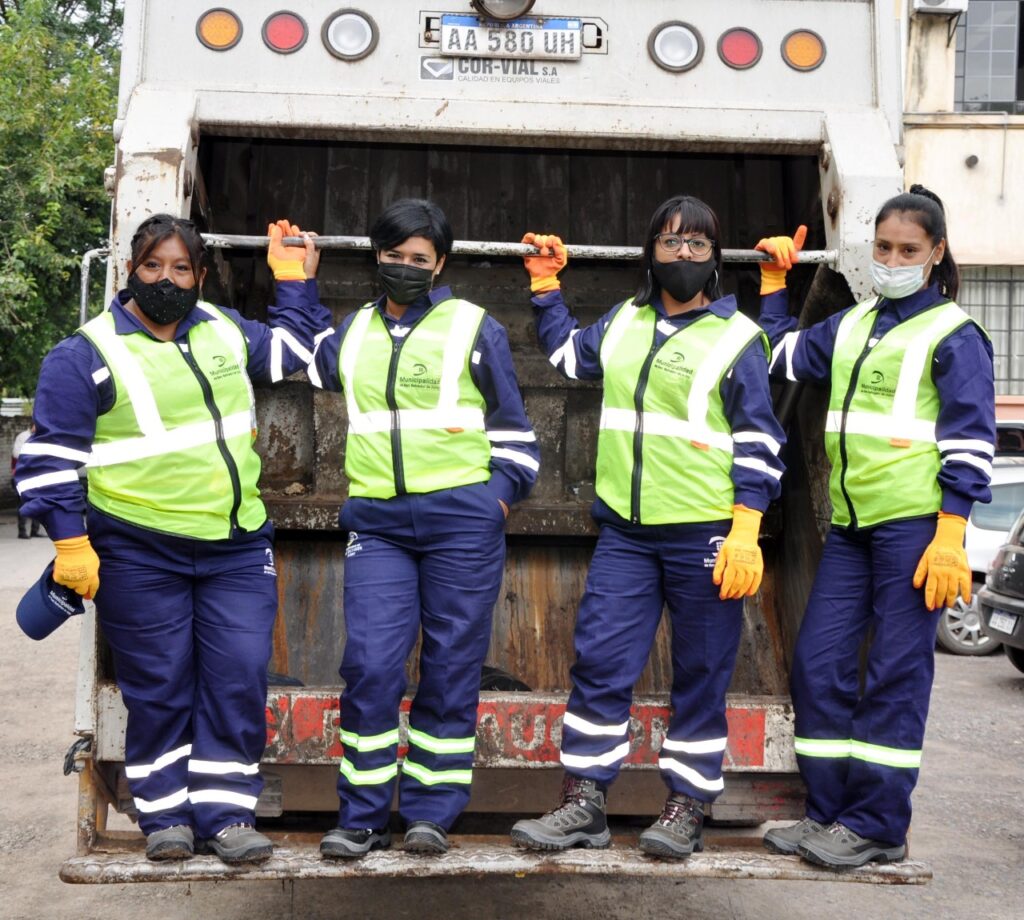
[(77, 566), (544, 268), (944, 564), (286, 262), (785, 250), (740, 566)]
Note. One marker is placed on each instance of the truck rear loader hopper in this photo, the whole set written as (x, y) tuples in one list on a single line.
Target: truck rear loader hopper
[(589, 161)]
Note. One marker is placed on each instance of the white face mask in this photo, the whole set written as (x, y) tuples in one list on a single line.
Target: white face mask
[(901, 281)]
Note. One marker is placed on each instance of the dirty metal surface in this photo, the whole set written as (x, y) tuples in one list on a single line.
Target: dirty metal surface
[(479, 860), (533, 620)]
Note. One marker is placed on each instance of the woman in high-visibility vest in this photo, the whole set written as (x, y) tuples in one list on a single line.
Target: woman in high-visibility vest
[(910, 434), (155, 395), (687, 462), (438, 448)]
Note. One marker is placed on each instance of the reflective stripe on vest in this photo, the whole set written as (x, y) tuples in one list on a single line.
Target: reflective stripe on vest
[(415, 417), (665, 447), (880, 428), (174, 453)]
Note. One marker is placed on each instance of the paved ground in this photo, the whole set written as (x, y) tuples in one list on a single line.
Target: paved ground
[(969, 822)]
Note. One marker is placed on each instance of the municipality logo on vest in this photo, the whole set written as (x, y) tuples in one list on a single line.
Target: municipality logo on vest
[(420, 378), (673, 363), (876, 385), (222, 366)]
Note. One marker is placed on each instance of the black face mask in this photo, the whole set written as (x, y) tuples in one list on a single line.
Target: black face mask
[(684, 280), (405, 283), (164, 302)]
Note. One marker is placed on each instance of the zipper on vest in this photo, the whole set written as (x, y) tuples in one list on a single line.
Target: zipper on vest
[(396, 430), (869, 343), (638, 430), (222, 446)]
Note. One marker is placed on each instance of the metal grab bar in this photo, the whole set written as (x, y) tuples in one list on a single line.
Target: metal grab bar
[(83, 300), (460, 247), (481, 248)]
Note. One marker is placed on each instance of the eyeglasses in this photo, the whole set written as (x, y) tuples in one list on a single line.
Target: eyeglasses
[(673, 242)]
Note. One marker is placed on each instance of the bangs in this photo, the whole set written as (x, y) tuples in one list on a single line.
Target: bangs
[(693, 214)]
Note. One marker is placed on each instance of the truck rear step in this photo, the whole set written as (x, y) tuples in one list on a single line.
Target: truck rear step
[(296, 857)]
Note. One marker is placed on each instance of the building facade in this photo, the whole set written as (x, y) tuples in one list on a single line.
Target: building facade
[(964, 138)]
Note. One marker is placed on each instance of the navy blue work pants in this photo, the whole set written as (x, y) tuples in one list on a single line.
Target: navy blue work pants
[(434, 562), (189, 623), (859, 750), (634, 573)]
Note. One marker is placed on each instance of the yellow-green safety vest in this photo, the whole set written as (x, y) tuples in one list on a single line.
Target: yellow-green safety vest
[(175, 452), (665, 448), (880, 430), (415, 416)]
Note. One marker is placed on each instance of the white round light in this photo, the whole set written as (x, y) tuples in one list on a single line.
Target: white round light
[(503, 9), (350, 35), (676, 46)]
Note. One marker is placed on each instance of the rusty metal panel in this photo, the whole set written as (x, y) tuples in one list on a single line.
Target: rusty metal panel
[(286, 440), (475, 859), (513, 730)]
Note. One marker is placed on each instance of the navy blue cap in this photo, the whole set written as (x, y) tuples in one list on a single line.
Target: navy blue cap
[(46, 605)]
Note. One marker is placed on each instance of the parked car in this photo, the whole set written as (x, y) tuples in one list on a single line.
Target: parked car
[(959, 629), (1001, 600)]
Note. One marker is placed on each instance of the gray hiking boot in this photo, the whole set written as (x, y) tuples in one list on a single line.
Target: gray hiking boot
[(240, 843), (786, 840), (579, 821), (837, 847), (176, 842), (425, 837), (678, 831), (353, 843)]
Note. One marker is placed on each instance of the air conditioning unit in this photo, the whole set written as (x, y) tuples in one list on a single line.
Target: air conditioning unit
[(941, 7)]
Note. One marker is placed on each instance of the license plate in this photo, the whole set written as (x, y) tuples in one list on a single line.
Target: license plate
[(528, 39), (1004, 622)]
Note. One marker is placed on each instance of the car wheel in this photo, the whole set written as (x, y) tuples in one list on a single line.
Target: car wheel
[(1016, 656), (959, 629)]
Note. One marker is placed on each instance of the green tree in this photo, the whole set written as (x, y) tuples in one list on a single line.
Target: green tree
[(58, 98)]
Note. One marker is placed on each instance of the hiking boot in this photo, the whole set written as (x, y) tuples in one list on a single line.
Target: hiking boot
[(353, 843), (837, 847), (239, 843), (678, 832), (176, 842), (425, 837), (786, 840), (579, 821)]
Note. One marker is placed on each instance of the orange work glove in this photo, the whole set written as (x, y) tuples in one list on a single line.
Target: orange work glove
[(785, 250), (944, 564), (290, 263), (740, 566), (77, 566), (544, 268)]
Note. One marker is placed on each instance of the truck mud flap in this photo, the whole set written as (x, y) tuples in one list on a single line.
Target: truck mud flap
[(474, 857)]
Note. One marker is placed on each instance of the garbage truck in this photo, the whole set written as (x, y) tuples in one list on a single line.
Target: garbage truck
[(568, 116)]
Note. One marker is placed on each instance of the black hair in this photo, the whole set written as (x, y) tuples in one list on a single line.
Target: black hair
[(154, 230), (412, 217), (924, 208), (694, 217)]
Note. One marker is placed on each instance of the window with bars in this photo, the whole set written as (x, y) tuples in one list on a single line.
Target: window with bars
[(990, 57), (994, 296)]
